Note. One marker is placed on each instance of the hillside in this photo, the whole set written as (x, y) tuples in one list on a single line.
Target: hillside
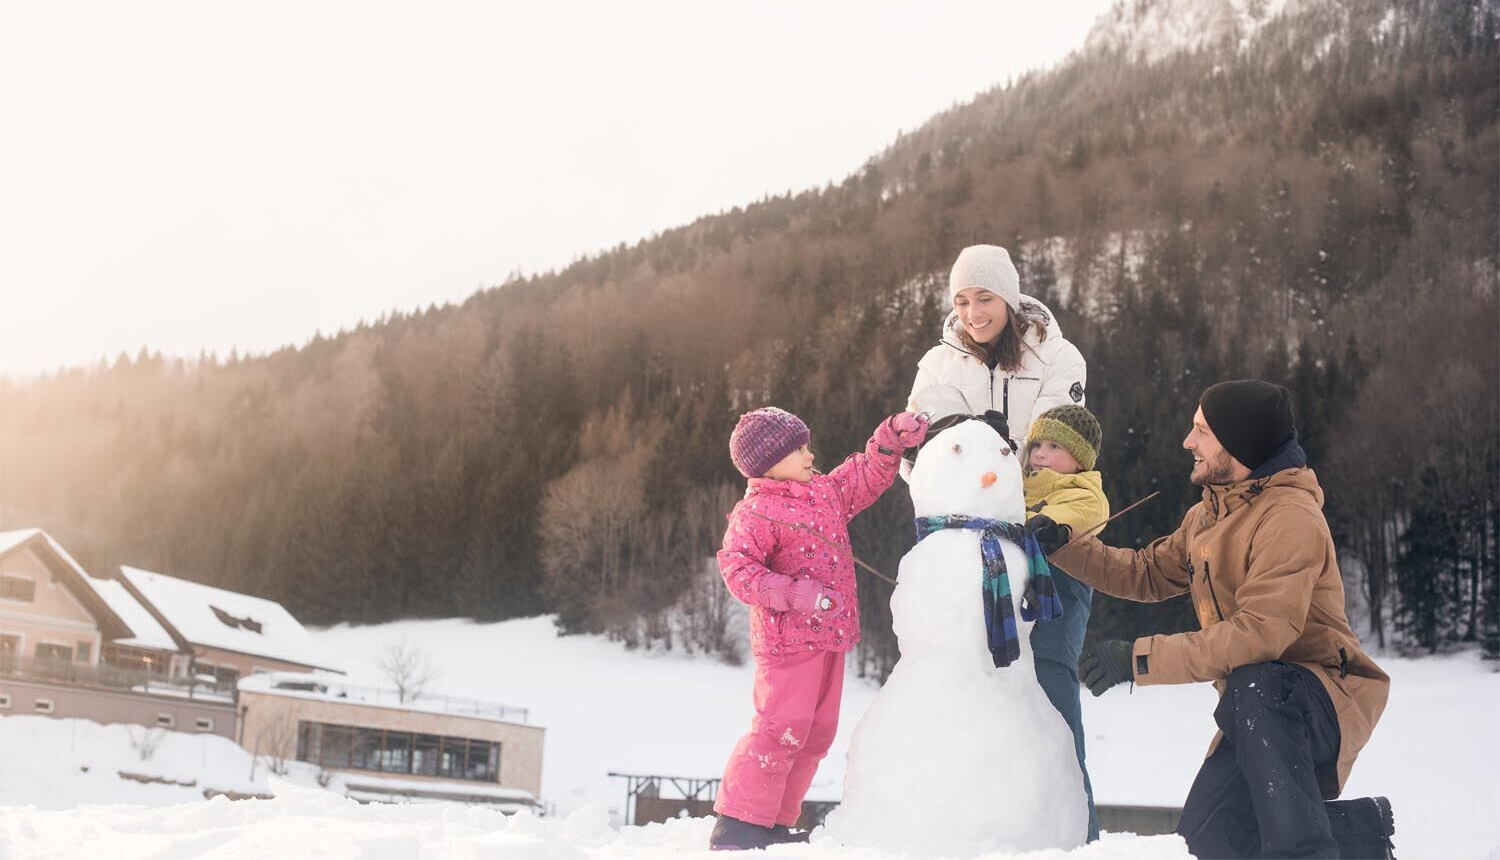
[(1317, 205)]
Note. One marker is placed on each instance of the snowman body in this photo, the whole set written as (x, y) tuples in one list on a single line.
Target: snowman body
[(956, 757)]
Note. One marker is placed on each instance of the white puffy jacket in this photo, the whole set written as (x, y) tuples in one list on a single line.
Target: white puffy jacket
[(1052, 373)]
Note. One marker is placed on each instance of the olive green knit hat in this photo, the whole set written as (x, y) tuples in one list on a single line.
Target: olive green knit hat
[(1072, 427)]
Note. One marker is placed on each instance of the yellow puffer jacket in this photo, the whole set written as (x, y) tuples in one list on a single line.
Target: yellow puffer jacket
[(1076, 501)]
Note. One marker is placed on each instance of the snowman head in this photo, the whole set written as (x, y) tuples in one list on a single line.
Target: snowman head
[(968, 469)]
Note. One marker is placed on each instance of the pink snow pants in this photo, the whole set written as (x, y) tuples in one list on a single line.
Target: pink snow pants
[(797, 700)]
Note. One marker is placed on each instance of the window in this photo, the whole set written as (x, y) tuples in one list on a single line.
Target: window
[(228, 620), (226, 676), (166, 721), (203, 724), (398, 752), (53, 651), (81, 652), (42, 706), (9, 644), (17, 588), (4, 701), (424, 755)]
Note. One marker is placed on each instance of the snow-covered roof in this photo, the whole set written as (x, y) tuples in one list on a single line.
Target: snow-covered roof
[(216, 618), (71, 574), (146, 631), (11, 540)]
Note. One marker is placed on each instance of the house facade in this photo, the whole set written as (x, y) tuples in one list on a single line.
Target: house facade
[(48, 612)]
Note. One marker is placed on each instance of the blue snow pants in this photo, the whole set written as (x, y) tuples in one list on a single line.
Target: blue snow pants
[(1056, 646)]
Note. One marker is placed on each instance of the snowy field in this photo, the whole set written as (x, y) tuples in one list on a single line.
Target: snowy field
[(1436, 754)]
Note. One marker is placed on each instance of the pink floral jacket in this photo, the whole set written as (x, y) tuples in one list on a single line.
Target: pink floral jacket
[(778, 569)]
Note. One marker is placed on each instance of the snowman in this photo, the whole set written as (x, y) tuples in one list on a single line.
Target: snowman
[(961, 752)]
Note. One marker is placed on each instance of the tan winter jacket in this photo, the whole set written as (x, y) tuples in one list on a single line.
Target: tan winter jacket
[(1259, 562)]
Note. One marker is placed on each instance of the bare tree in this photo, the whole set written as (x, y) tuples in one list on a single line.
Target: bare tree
[(145, 740), (409, 668), (275, 744)]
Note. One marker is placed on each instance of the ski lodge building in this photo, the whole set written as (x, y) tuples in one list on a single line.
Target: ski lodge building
[(161, 651)]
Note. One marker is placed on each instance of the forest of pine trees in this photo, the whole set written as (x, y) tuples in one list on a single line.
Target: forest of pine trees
[(1320, 208)]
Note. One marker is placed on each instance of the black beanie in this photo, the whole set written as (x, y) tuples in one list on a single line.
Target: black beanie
[(1251, 418)]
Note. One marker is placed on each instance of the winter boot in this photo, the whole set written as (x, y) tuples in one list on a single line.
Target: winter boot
[(732, 834), (1363, 827), (784, 835)]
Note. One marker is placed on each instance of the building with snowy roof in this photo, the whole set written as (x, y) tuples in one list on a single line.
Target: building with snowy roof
[(72, 645), (227, 634), (48, 609), (380, 745)]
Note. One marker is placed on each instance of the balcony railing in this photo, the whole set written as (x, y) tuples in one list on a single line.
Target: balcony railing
[(387, 697), (110, 677)]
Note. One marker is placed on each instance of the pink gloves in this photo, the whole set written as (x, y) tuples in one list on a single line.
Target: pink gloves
[(811, 597), (901, 431)]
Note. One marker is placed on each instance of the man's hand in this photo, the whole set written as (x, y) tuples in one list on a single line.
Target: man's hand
[(1050, 534), (1105, 665)]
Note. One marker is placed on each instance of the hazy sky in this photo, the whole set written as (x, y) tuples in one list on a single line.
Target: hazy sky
[(201, 175)]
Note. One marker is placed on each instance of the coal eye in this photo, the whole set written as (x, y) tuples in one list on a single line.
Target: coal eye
[(957, 449), (1005, 451)]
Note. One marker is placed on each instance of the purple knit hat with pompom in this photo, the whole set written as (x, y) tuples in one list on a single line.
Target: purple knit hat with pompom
[(763, 437)]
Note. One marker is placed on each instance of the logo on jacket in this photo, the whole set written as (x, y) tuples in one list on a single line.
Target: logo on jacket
[(1076, 392)]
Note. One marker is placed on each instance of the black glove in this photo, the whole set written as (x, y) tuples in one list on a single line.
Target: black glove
[(1050, 534), (1105, 665)]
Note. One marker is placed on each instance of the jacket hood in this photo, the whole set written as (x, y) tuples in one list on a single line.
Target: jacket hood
[(1223, 499), (1031, 309)]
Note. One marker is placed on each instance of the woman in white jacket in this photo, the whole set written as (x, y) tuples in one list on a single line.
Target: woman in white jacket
[(1003, 352), (1001, 349)]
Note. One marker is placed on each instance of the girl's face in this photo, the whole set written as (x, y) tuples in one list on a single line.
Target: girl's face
[(796, 466), (1046, 454), (983, 313)]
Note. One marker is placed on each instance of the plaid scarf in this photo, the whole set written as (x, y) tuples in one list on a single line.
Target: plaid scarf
[(1040, 600)]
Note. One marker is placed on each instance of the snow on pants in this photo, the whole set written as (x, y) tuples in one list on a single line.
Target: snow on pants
[(1257, 795), (797, 700)]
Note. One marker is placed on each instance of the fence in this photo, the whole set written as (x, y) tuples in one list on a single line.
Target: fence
[(112, 678)]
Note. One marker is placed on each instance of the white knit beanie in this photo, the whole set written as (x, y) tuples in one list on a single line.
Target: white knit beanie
[(987, 266)]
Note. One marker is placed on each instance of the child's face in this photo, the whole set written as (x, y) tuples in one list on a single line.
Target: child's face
[(796, 466), (1046, 454)]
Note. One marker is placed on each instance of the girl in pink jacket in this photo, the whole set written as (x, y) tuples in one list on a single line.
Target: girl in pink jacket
[(804, 616)]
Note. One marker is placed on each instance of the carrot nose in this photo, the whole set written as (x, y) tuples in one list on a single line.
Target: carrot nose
[(987, 479)]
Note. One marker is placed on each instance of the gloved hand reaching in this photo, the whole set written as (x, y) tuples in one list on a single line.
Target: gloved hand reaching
[(1105, 665), (1050, 534), (902, 430)]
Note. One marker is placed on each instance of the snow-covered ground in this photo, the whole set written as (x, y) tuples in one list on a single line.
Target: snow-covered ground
[(1436, 754)]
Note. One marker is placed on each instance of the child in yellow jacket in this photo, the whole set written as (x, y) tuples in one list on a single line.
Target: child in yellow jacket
[(1061, 481), (1063, 489)]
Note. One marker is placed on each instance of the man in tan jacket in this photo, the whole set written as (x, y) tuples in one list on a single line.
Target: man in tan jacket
[(1298, 696)]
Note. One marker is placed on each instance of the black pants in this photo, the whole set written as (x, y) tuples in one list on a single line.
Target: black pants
[(1257, 795)]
